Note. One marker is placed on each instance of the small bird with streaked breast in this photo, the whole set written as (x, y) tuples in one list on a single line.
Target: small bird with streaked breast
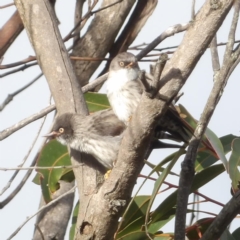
[(99, 134), (124, 91)]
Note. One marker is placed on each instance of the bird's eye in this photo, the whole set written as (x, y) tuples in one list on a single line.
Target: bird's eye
[(61, 130), (121, 64)]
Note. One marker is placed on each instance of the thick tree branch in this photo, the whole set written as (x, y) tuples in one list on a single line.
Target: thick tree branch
[(223, 219), (58, 200), (142, 11), (54, 61), (9, 32), (52, 55), (96, 42), (187, 173), (115, 193)]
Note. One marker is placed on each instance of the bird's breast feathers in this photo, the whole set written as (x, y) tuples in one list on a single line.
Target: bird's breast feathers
[(124, 93), (117, 79)]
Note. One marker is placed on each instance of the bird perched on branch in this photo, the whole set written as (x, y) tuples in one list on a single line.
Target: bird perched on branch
[(98, 134), (124, 91)]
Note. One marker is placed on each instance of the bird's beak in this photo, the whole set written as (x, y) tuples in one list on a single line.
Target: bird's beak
[(52, 134), (131, 65)]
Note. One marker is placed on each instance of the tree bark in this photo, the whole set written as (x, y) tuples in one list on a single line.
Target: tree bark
[(102, 206), (99, 37)]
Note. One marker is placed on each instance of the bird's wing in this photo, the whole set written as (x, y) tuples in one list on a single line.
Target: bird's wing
[(106, 123)]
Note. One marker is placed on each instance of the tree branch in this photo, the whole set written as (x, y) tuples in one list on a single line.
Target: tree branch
[(115, 192), (9, 32), (187, 172), (101, 41), (10, 96), (7, 132), (223, 219), (41, 209)]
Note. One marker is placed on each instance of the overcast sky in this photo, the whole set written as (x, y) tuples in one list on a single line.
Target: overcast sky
[(225, 120)]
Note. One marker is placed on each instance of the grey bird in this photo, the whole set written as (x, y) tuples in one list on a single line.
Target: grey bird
[(124, 91), (98, 134)]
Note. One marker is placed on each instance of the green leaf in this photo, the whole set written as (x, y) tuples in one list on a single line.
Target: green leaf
[(74, 221), (206, 158), (136, 210), (218, 147), (164, 236), (227, 142), (53, 154), (190, 120), (132, 219), (200, 179), (234, 161), (96, 101), (138, 235), (160, 181), (155, 226)]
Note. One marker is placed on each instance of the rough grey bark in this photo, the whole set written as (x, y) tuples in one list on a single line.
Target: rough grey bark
[(99, 37), (57, 68), (101, 206), (114, 194), (49, 222)]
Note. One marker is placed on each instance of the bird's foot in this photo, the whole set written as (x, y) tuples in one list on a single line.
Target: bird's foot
[(129, 119), (107, 174)]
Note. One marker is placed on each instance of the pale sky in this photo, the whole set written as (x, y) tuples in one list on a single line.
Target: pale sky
[(226, 119)]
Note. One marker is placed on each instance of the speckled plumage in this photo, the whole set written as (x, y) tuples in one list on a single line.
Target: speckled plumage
[(98, 134)]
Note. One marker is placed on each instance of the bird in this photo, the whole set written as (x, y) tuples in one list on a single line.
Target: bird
[(124, 91), (99, 134)]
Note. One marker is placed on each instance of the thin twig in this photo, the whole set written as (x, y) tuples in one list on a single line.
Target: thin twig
[(39, 168), (95, 83), (22, 68), (27, 175), (29, 59), (167, 33), (141, 46), (187, 172), (108, 6), (193, 9), (84, 19), (24, 159), (41, 209), (75, 32), (7, 5), (40, 231), (7, 132), (10, 96), (89, 59), (214, 54)]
